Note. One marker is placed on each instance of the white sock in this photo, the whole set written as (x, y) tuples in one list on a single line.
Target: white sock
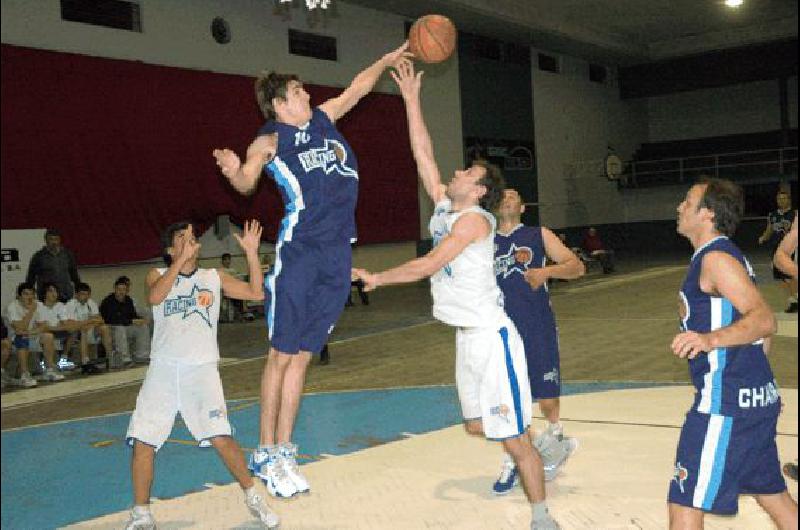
[(556, 429), (141, 509), (540, 510), (250, 492)]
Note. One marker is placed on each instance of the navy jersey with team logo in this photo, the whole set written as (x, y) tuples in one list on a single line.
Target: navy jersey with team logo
[(732, 381), (781, 223), (516, 252), (317, 174)]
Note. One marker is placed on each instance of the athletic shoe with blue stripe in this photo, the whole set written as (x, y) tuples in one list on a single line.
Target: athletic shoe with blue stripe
[(509, 477), (268, 466)]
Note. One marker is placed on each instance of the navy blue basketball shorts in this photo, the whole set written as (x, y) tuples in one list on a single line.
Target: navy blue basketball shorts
[(305, 294), (722, 457), (544, 367)]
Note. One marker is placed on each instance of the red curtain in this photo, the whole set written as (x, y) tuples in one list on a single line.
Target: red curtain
[(110, 152)]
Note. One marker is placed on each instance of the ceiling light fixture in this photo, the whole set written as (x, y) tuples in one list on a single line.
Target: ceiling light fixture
[(734, 3)]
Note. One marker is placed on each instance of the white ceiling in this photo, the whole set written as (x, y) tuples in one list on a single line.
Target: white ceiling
[(623, 31)]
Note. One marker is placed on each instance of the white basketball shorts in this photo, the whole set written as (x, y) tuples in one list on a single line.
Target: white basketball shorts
[(492, 379), (193, 390)]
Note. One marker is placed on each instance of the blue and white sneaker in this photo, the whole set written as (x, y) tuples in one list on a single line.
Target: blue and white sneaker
[(509, 477), (65, 365), (288, 456), (268, 466)]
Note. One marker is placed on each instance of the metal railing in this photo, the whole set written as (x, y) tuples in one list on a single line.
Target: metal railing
[(738, 165)]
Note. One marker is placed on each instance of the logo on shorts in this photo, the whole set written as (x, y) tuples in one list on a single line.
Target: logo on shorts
[(680, 475), (199, 302), (551, 376), (502, 411), (216, 414)]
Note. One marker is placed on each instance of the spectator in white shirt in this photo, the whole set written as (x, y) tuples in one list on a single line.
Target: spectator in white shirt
[(82, 317), (21, 315), (49, 318)]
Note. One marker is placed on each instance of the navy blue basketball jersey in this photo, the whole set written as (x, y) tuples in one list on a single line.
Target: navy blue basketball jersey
[(732, 381), (317, 174), (515, 253), (781, 223)]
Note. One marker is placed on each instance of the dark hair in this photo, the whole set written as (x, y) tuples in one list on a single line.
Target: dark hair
[(122, 281), (48, 285), (167, 236), (226, 255), (81, 287), (726, 200), (271, 85), (52, 232), (494, 183), (24, 286)]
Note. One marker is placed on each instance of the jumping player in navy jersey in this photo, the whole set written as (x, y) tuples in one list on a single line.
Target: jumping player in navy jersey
[(727, 445), (317, 175), (521, 255)]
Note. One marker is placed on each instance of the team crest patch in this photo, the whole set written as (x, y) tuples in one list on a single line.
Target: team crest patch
[(552, 375), (330, 157), (198, 302), (502, 411), (517, 259), (680, 475)]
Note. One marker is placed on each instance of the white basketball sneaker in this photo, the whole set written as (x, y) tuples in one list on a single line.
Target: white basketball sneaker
[(288, 455), (259, 509), (268, 466), (141, 520)]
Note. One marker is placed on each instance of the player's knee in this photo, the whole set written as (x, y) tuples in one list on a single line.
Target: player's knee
[(473, 427)]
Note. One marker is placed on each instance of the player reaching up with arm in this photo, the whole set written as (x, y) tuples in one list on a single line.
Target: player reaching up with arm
[(316, 172), (495, 399)]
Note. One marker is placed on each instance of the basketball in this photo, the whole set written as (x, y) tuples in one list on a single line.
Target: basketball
[(432, 38)]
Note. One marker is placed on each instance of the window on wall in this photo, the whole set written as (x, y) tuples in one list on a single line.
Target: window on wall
[(548, 63), (597, 73), (116, 14), (312, 45)]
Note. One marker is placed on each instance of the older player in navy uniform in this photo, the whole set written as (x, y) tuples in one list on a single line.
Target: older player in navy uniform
[(525, 258), (490, 361), (317, 175), (727, 444)]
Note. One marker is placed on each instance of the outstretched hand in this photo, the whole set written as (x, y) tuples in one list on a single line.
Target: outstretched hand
[(228, 161), (370, 280), (401, 53), (409, 82), (251, 237)]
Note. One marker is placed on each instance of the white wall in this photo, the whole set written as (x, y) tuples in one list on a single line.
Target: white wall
[(575, 122), (743, 108), (178, 34)]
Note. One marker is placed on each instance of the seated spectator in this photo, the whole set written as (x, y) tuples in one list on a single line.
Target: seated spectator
[(6, 354), (21, 316), (82, 318), (594, 248), (119, 313), (49, 318)]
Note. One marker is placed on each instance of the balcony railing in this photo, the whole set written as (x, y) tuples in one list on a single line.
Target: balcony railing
[(742, 165)]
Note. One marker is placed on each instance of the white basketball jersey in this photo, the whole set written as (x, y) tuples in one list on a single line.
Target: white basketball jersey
[(465, 291), (186, 320)]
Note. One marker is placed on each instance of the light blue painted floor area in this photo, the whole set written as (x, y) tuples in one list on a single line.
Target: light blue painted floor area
[(57, 474)]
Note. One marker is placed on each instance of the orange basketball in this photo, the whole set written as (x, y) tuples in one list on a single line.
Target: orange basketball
[(432, 38)]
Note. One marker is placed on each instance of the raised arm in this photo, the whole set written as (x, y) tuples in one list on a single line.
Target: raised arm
[(362, 84), (467, 229), (159, 285), (566, 265), (254, 288), (421, 144), (783, 256), (722, 275), (244, 177)]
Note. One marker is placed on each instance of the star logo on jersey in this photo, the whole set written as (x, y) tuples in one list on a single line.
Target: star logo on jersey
[(198, 302), (680, 475), (329, 158), (517, 259)]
